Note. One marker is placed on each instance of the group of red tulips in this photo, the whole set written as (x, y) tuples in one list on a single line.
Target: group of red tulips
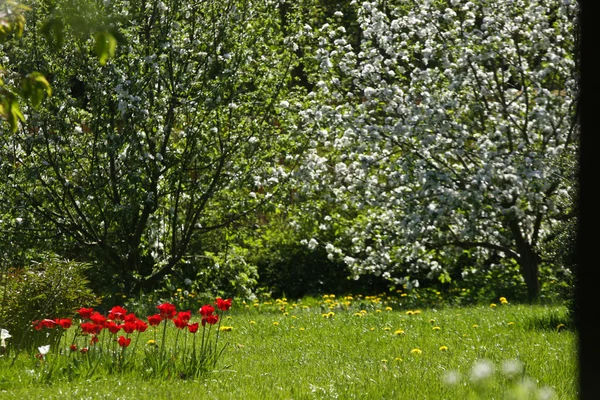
[(119, 319)]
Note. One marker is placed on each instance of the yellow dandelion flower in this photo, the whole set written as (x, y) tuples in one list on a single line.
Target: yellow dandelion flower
[(179, 290), (511, 323), (229, 317), (416, 351), (443, 348), (363, 312), (285, 314), (387, 328), (256, 304), (493, 305), (151, 342), (388, 308), (252, 322), (305, 307), (559, 326), (397, 359), (417, 311), (247, 306), (284, 299), (431, 321), (294, 317), (332, 296), (475, 326), (226, 328), (384, 361), (399, 332), (275, 323), (372, 329), (357, 314), (403, 295), (301, 329), (436, 328), (409, 312), (465, 335), (378, 311), (503, 300)]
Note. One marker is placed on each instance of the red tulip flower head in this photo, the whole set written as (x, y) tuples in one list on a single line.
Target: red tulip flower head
[(223, 305), (65, 323), (85, 313), (98, 318), (193, 328), (113, 327), (140, 325), (129, 327), (124, 342), (154, 320), (207, 310), (211, 320), (167, 310), (184, 315), (180, 323), (117, 313)]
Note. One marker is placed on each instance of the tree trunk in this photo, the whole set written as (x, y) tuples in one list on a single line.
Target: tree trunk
[(529, 262)]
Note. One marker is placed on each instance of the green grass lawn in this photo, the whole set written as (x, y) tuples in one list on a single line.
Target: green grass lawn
[(324, 350)]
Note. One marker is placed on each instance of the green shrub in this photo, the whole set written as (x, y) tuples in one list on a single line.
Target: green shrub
[(50, 288)]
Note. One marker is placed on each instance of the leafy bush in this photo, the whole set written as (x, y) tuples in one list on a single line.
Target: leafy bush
[(51, 287)]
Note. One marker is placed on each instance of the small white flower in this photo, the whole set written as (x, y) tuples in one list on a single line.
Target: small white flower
[(44, 349), (481, 370), (451, 377), (511, 367)]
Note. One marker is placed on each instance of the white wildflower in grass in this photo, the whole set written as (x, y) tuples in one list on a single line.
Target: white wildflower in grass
[(451, 378), (481, 370), (44, 349), (511, 368)]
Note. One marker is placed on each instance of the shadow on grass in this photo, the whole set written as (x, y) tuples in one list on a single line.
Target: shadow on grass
[(550, 320)]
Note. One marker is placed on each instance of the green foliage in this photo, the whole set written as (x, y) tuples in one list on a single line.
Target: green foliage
[(47, 288)]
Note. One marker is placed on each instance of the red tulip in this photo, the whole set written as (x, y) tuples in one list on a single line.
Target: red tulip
[(154, 320), (73, 347), (167, 310), (65, 323), (117, 313), (85, 313), (129, 327), (179, 323), (140, 325), (123, 341), (207, 310), (98, 318), (211, 320), (193, 328), (113, 327), (185, 315), (223, 305), (130, 317)]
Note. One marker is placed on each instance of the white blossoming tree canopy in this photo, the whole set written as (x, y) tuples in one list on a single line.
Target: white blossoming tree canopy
[(173, 134), (448, 126)]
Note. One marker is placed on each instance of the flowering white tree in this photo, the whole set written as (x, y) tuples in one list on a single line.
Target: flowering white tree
[(450, 128)]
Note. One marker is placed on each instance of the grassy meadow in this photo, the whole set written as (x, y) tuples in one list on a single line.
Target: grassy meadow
[(338, 348)]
